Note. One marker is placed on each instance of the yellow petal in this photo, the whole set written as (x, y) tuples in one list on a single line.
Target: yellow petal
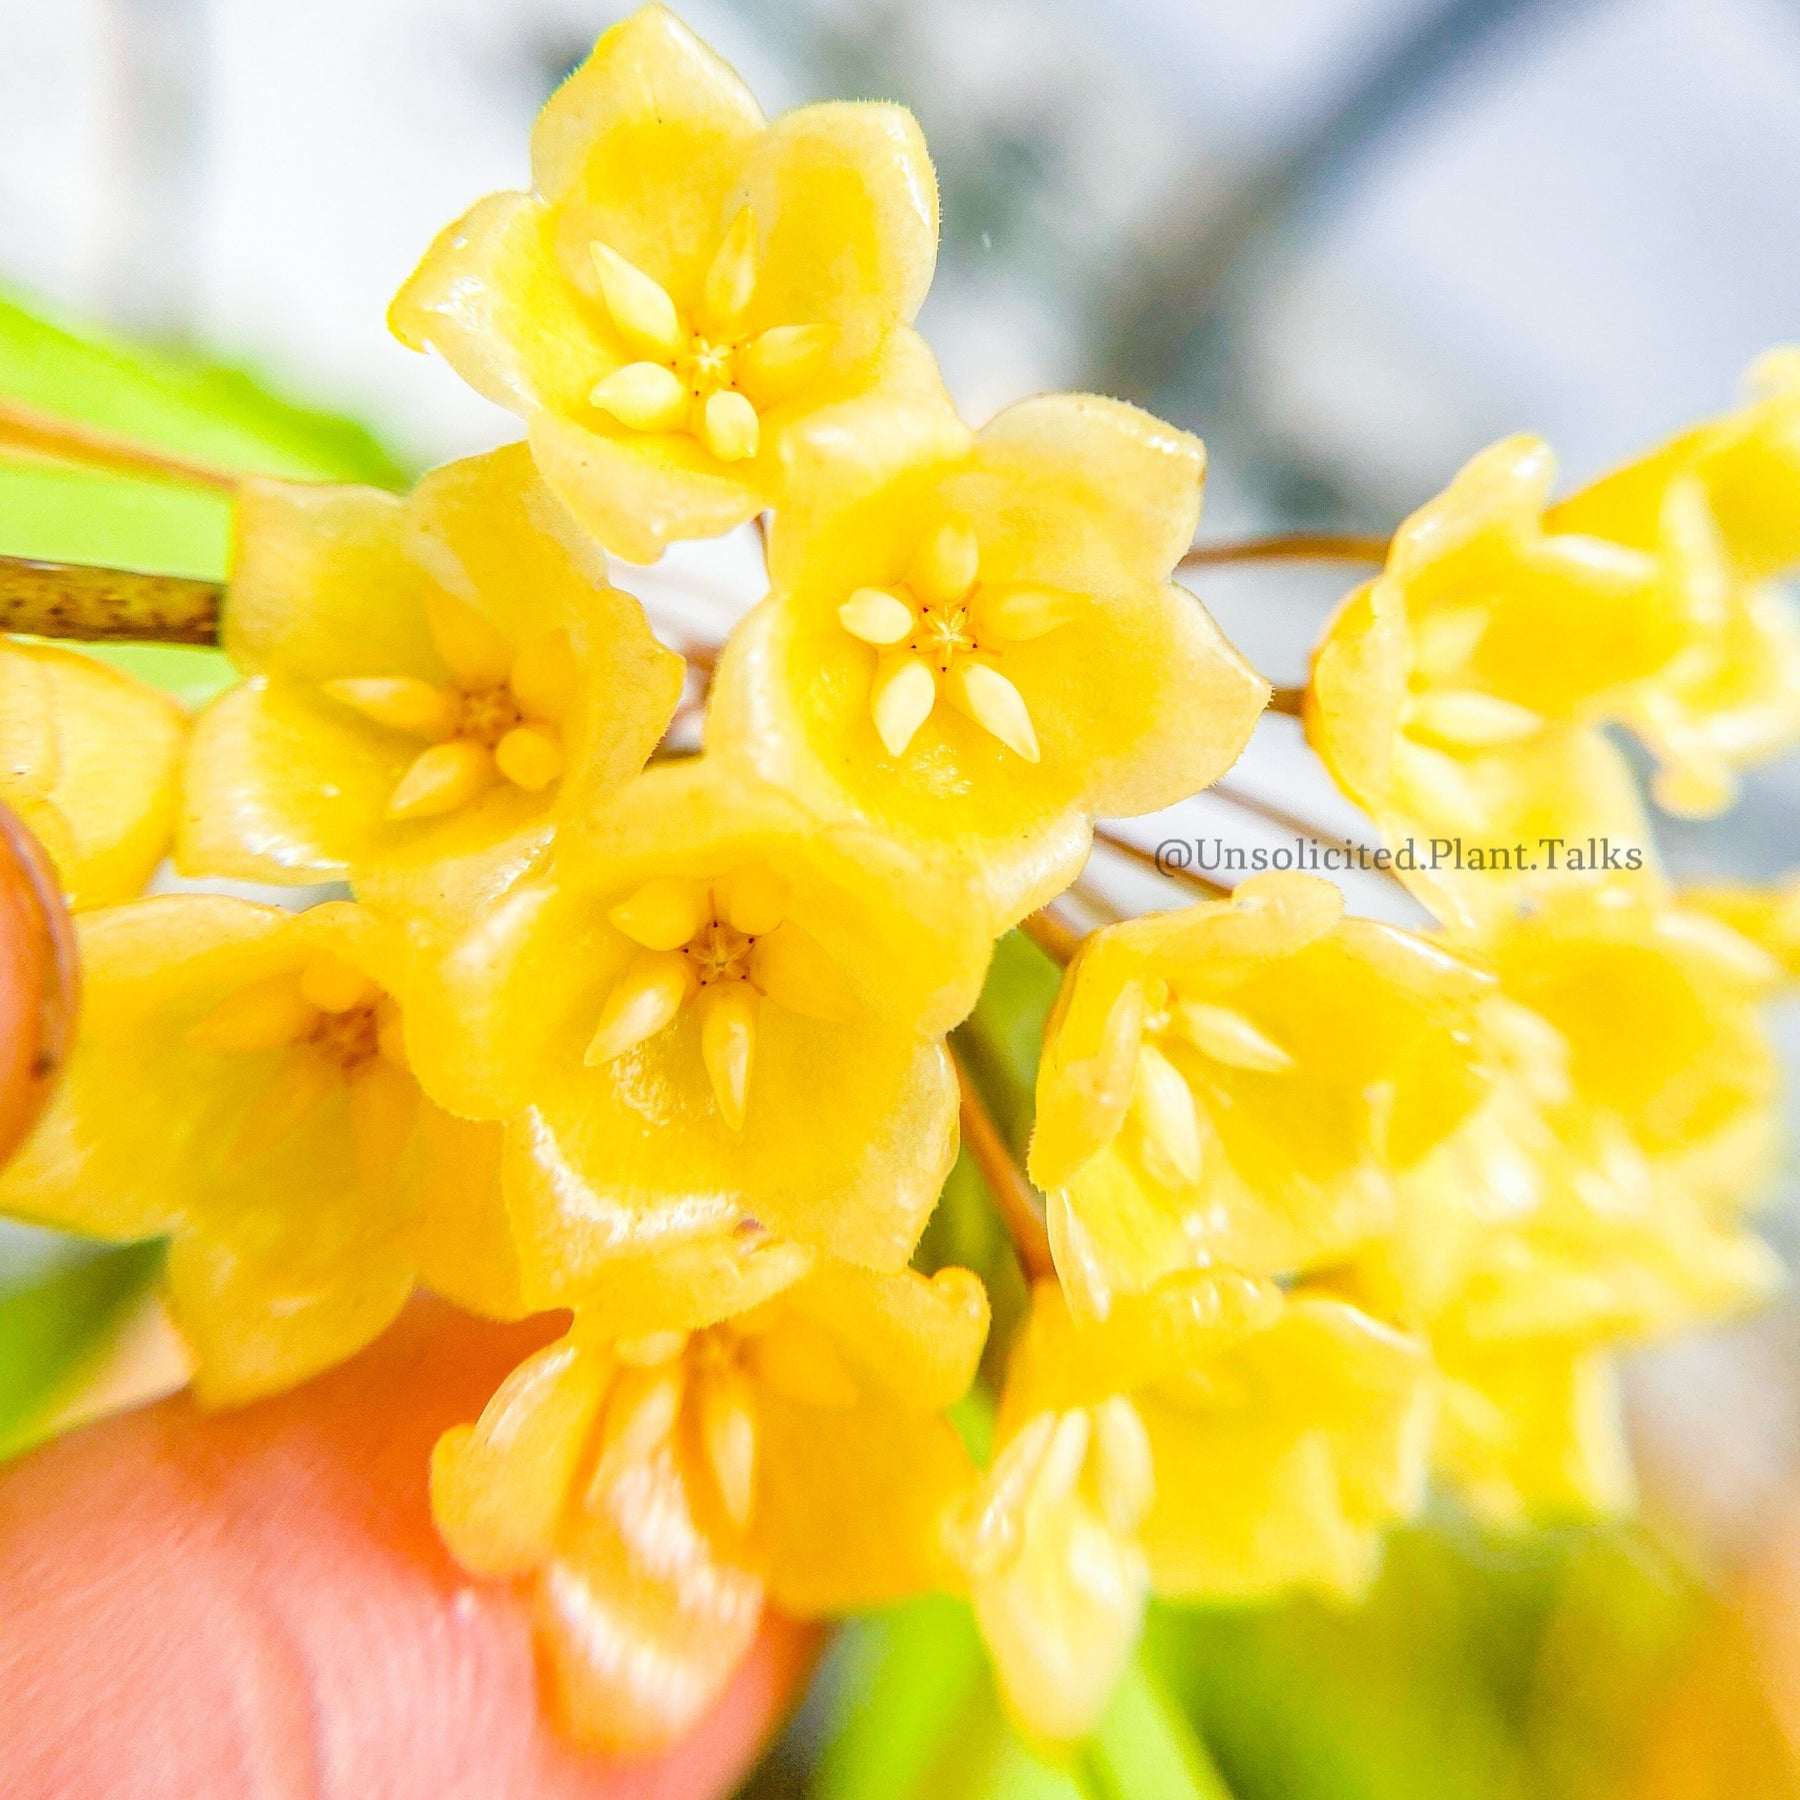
[(1124, 1470), (664, 913), (441, 779), (544, 677), (980, 692), (1017, 615), (334, 985), (877, 617), (644, 396), (383, 1103), (1164, 1104), (944, 566), (728, 1044), (731, 279), (783, 360), (730, 427), (795, 972), (1466, 718), (901, 700), (302, 1081), (1445, 639), (643, 1001), (262, 1017), (1227, 1036), (640, 306), (641, 1411), (529, 757), (472, 647), (401, 703), (752, 899), (728, 1432)]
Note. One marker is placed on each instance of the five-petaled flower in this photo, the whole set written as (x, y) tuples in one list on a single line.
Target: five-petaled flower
[(1212, 1440), (684, 285), (239, 1084), (709, 1010), (973, 644), (655, 1476), (1238, 1083), (434, 681)]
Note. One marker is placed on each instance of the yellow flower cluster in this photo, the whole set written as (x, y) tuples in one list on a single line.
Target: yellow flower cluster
[(661, 1040)]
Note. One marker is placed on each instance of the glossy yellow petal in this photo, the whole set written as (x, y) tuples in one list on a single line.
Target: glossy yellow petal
[(260, 1017), (729, 427), (644, 396), (944, 566), (640, 306), (901, 699), (782, 362), (728, 1014), (980, 692), (546, 677), (731, 278), (664, 913), (877, 617), (442, 780), (530, 758), (752, 898), (642, 1002), (91, 758)]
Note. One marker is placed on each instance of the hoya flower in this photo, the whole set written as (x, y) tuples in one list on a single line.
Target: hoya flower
[(974, 644), (431, 679), (90, 759), (1477, 826), (1595, 1200), (1210, 1442), (710, 1010), (1237, 1084), (653, 1489), (684, 284), (1720, 501), (239, 1085)]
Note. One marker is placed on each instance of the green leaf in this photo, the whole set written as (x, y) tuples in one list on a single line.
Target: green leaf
[(1145, 1749), (179, 403), (1003, 1037), (52, 1325)]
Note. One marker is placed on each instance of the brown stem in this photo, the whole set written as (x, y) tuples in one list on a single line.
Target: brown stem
[(1021, 1206), (1289, 546), (95, 605), (1288, 700), (1053, 934), (1163, 865), (41, 436)]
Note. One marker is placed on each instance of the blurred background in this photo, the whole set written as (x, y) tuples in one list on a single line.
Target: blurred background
[(1348, 241)]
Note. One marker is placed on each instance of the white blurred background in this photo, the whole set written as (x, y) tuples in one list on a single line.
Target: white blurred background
[(1349, 241)]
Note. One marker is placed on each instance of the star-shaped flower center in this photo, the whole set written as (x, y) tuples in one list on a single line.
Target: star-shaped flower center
[(498, 716), (711, 375)]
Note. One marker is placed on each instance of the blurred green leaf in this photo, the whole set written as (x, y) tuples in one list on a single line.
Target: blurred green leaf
[(175, 402), (1004, 1035), (52, 1325)]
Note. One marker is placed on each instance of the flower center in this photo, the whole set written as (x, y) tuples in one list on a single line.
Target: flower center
[(720, 952), (945, 632), (350, 1039), (706, 367), (488, 714)]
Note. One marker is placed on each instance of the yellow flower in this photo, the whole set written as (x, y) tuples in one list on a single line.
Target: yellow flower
[(1719, 501), (1212, 1441), (432, 679), (238, 1084), (1237, 1083), (684, 284), (1594, 1200), (653, 1488), (710, 1009), (1768, 916), (975, 644), (1435, 707), (90, 759)]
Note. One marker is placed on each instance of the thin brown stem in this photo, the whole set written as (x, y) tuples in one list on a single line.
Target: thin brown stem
[(41, 436), (1289, 546), (1021, 1206), (1161, 862), (1290, 701), (96, 605), (1053, 934)]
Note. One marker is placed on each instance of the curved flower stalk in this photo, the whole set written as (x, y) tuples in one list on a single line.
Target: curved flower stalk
[(90, 759), (684, 285), (1210, 1441), (239, 1084), (1596, 1200), (433, 682), (654, 1488), (1239, 1083), (709, 1010), (975, 645)]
